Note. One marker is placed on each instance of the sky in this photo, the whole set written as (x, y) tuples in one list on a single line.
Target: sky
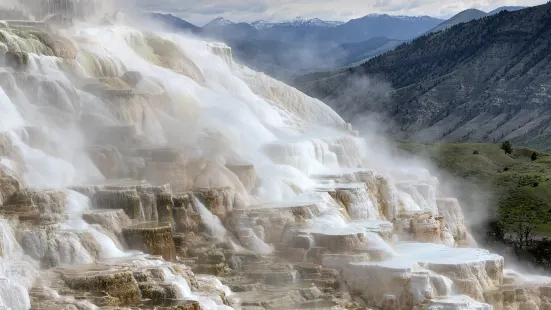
[(201, 12)]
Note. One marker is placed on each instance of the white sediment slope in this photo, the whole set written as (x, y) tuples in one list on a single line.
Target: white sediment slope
[(271, 166)]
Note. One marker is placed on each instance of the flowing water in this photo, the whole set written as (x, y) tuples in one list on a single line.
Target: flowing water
[(67, 93)]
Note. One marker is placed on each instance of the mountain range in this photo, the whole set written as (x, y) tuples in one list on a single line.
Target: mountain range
[(485, 80), (297, 22), (472, 14), (316, 30), (302, 45)]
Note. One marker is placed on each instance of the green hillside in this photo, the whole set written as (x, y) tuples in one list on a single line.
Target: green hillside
[(513, 184)]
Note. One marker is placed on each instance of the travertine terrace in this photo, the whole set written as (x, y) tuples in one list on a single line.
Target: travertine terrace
[(146, 170)]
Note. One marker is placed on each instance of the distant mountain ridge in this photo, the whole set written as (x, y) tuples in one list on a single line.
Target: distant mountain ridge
[(461, 17), (370, 26), (262, 24), (173, 21), (300, 45), (297, 22), (472, 14), (219, 21), (380, 25), (486, 80), (506, 8)]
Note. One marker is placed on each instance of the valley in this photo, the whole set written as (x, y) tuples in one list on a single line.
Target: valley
[(483, 81)]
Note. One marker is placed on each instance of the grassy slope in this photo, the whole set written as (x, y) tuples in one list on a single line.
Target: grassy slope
[(510, 190)]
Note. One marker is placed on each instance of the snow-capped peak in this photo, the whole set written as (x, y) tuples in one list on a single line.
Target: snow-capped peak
[(404, 17), (297, 22), (261, 24), (220, 21)]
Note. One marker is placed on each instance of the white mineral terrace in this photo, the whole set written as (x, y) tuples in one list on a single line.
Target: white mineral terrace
[(424, 254), (136, 165)]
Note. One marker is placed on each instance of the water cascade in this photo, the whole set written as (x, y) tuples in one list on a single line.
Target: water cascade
[(149, 170)]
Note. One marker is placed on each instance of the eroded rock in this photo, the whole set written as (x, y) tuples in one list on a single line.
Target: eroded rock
[(125, 199), (118, 284), (153, 238)]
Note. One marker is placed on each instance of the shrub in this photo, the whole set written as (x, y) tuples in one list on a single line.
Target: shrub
[(475, 152), (534, 156), (505, 169), (507, 147)]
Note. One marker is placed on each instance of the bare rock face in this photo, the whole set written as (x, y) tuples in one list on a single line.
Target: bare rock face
[(152, 238), (9, 185), (429, 271), (472, 279), (119, 284), (186, 216), (337, 243), (164, 203), (423, 227), (53, 247), (181, 305), (126, 199), (112, 221), (149, 203), (49, 203), (358, 199), (158, 292), (219, 201), (428, 229), (141, 201), (454, 220)]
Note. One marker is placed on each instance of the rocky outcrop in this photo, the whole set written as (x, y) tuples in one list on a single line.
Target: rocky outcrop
[(153, 238), (186, 216), (119, 285), (126, 199), (52, 247), (430, 272), (9, 185), (112, 221), (454, 220)]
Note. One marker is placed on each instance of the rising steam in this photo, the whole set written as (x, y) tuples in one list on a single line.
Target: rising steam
[(262, 165)]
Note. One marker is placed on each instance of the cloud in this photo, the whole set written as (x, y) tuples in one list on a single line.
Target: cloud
[(201, 12)]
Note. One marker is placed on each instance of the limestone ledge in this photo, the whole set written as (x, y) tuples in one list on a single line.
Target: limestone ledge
[(421, 272)]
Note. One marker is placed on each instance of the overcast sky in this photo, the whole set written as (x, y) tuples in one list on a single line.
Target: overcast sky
[(200, 12)]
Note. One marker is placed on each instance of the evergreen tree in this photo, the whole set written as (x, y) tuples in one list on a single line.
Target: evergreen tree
[(507, 147)]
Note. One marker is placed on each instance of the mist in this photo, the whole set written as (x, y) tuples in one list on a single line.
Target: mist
[(136, 154), (478, 201)]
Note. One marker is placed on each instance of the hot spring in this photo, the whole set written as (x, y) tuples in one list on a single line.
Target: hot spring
[(147, 169)]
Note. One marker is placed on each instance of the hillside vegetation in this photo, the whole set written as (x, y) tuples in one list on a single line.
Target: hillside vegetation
[(513, 183), (483, 81)]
